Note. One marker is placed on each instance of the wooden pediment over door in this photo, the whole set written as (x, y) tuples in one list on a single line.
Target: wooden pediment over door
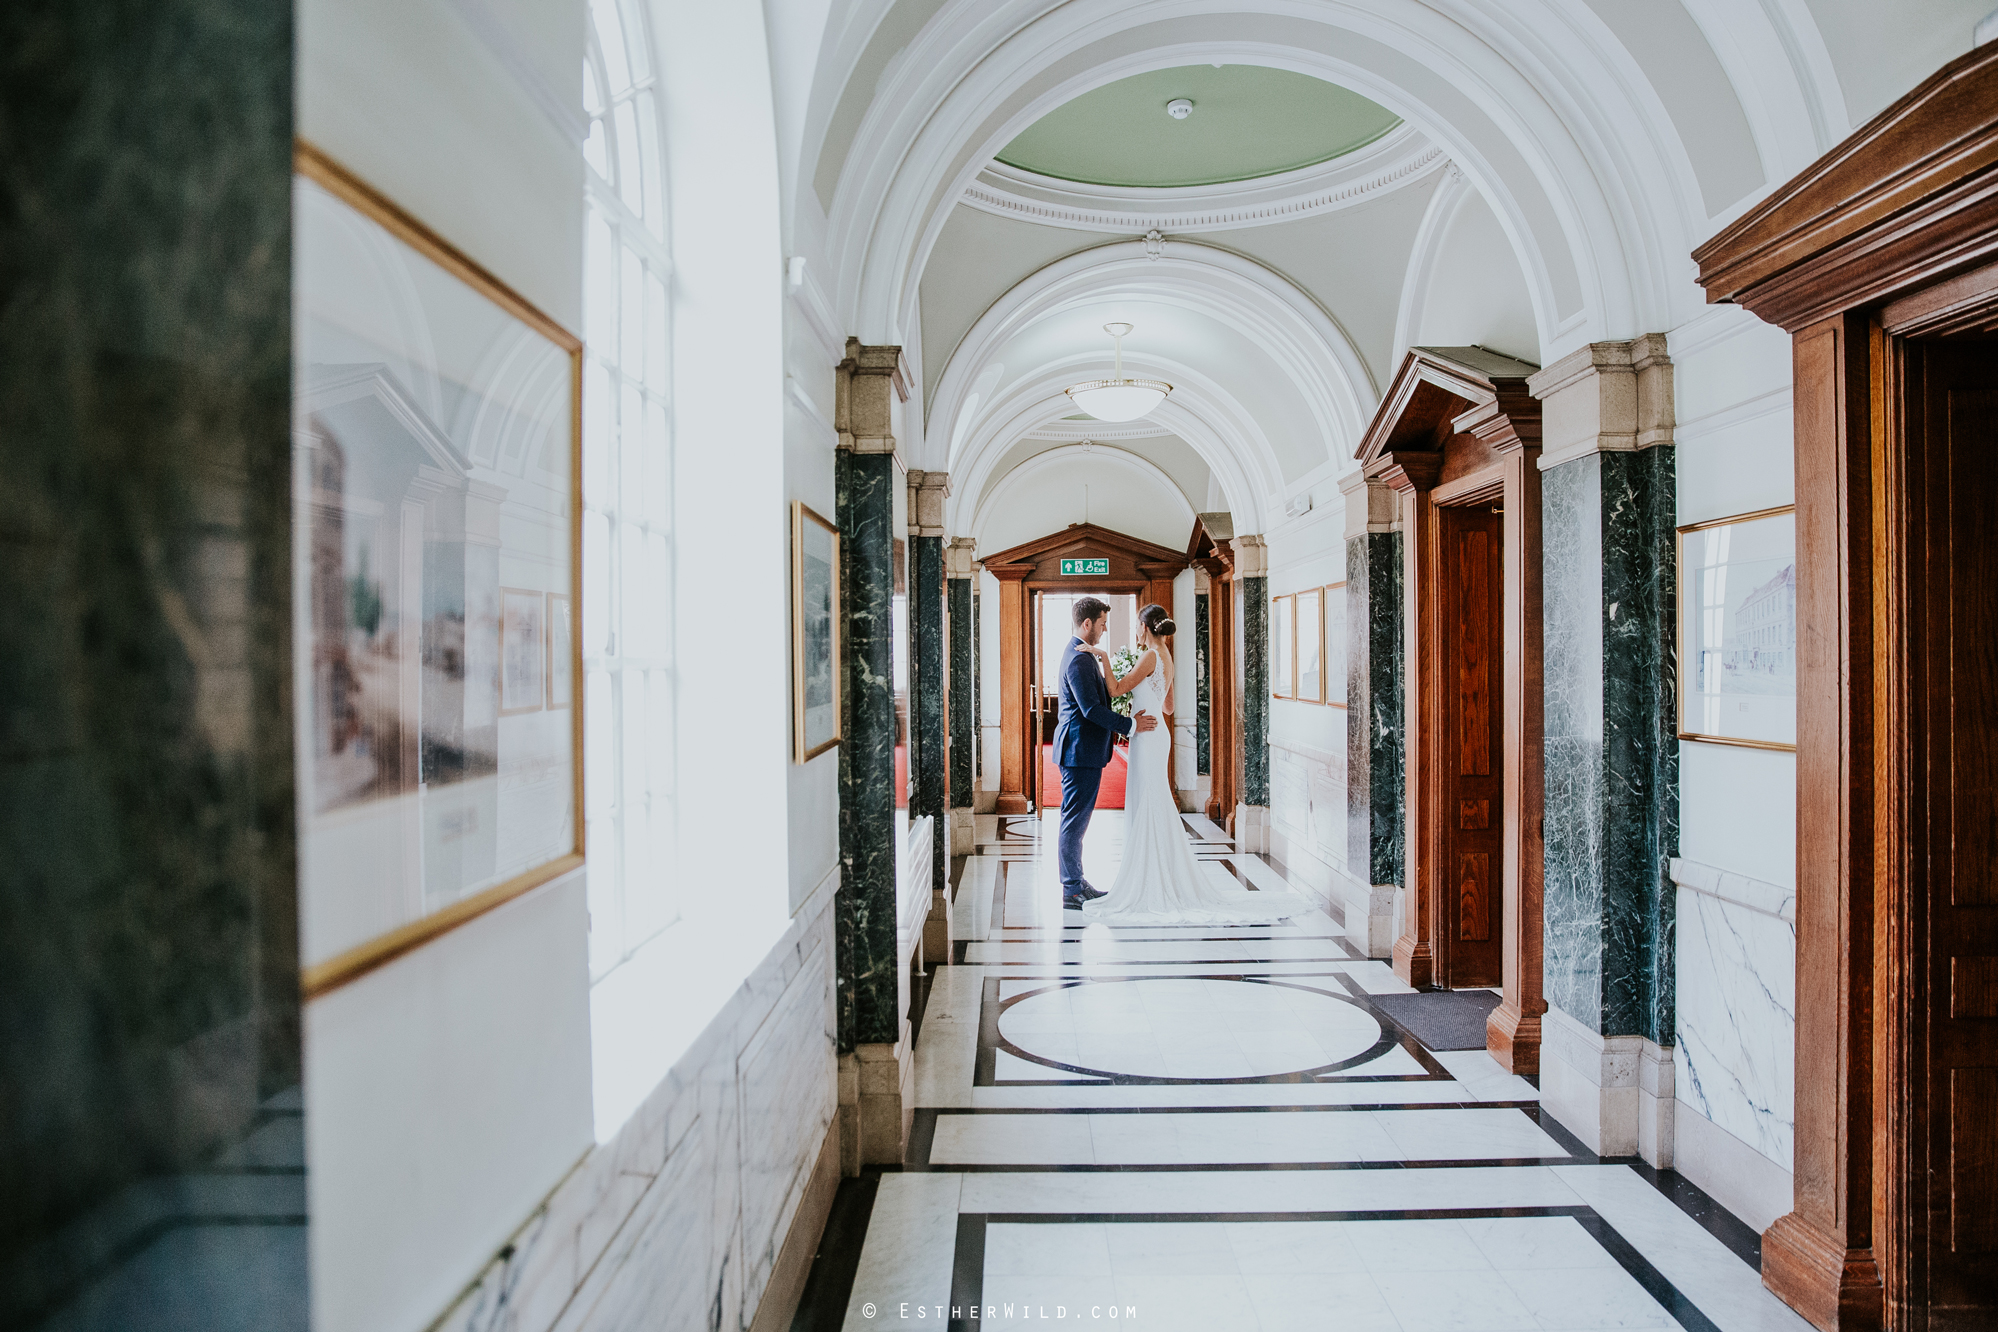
[(1130, 561), (1441, 395)]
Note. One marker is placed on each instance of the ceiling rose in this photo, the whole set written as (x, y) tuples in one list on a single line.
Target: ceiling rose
[(1118, 398)]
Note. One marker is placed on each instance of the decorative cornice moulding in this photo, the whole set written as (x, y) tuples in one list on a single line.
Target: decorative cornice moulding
[(1396, 159)]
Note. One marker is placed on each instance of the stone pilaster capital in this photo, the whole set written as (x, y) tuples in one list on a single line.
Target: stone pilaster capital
[(1607, 397), (927, 493), (870, 382), (1202, 582), (960, 557), (1252, 556), (1370, 504)]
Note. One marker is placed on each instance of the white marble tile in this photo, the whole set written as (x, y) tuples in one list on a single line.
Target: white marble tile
[(1387, 1247), (1349, 1302), (1013, 1140), (1725, 1289), (1464, 1302), (1526, 1243), (1272, 1190), (1152, 1248), (1483, 1078), (1468, 1135), (1200, 1303), (946, 1060), (1588, 1298), (1047, 1250), (1736, 1018), (1293, 1248), (910, 1247)]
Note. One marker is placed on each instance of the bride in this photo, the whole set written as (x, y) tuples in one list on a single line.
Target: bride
[(1160, 883)]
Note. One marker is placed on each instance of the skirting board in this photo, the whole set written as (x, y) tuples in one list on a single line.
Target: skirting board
[(794, 1261), (1735, 1175)]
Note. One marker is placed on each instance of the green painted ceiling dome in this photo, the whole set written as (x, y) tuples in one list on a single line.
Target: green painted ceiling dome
[(1247, 121)]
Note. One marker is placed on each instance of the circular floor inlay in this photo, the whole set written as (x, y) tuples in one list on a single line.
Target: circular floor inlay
[(1188, 1027)]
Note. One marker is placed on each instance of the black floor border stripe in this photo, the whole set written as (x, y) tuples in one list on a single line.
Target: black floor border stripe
[(967, 1292), (923, 1132), (1707, 1212), (836, 1262)]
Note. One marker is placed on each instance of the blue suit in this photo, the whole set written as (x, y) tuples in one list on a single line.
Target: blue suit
[(1085, 734)]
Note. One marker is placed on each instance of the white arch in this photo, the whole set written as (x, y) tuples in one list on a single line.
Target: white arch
[(1062, 456), (1210, 419), (1534, 100), (1304, 343), (1444, 205)]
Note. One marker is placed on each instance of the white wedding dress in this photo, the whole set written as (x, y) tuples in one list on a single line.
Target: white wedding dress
[(1160, 883)]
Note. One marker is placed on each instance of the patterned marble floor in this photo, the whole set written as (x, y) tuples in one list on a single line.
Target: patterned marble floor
[(1214, 1128)]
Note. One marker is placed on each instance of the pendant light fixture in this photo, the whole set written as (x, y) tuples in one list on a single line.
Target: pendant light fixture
[(1118, 398)]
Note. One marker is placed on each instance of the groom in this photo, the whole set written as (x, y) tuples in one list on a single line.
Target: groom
[(1084, 736)]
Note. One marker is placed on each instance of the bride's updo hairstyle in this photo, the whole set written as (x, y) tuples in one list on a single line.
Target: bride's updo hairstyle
[(1157, 623)]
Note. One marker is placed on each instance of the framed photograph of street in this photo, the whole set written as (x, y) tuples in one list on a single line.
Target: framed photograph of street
[(1283, 659), (814, 633), (437, 493), (1311, 646), (1738, 630)]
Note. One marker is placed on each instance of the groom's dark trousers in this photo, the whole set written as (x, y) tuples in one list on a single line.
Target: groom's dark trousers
[(1085, 734)]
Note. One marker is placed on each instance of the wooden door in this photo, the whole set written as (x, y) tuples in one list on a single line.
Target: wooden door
[(1949, 915), (1471, 581), (1036, 700)]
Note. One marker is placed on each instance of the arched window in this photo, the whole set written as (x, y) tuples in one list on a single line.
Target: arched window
[(628, 558)]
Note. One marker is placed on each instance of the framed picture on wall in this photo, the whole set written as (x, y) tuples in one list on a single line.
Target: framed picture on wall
[(1310, 646), (1283, 664), (437, 463), (814, 633), (1738, 630)]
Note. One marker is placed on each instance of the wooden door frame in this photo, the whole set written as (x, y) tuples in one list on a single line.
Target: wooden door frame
[(1137, 567), (1459, 425), (1892, 235), (1213, 555)]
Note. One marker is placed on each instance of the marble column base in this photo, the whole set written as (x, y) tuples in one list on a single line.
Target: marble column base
[(1370, 917), (936, 932), (877, 1103), (985, 802), (1252, 828), (1612, 1092), (963, 839)]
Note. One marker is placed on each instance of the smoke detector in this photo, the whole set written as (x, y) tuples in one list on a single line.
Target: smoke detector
[(1179, 108)]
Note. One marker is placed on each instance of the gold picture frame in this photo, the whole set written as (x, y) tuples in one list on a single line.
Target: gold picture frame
[(359, 220), (1756, 658), (815, 636)]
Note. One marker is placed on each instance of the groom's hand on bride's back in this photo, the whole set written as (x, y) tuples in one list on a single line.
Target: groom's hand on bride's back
[(1144, 721)]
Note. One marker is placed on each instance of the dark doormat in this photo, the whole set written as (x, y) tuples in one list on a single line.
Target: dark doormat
[(1441, 1019)]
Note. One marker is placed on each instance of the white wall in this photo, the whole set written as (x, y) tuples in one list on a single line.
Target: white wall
[(452, 1091), (447, 1092), (1735, 967), (1308, 740)]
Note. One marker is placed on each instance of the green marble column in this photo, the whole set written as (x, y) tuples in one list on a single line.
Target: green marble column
[(1252, 592), (149, 950), (963, 711), (929, 745), (1608, 504), (864, 481)]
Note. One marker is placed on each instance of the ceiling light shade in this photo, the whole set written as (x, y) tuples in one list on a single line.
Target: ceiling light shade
[(1118, 398)]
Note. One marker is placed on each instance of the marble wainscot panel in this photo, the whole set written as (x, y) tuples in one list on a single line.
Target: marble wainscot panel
[(681, 1220), (1734, 1064), (1308, 804), (151, 1162)]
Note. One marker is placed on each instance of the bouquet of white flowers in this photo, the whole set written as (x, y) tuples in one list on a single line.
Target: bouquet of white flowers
[(1124, 660)]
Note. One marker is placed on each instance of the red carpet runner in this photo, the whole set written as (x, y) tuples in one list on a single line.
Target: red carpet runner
[(1110, 795)]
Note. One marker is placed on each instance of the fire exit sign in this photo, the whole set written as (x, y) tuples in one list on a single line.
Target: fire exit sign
[(1085, 568)]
